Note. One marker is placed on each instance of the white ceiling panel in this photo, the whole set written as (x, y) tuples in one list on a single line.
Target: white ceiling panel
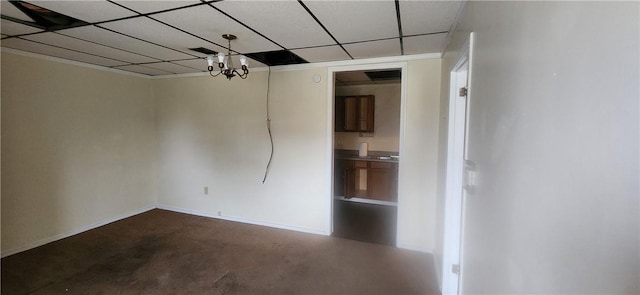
[(351, 21), (420, 17), (34, 47), (11, 28), (153, 31), (102, 36), (198, 63), (87, 10), (143, 70), (210, 24), (382, 48), (158, 42), (298, 29), (424, 44), (170, 67), (147, 6), (9, 10), (88, 47), (321, 54)]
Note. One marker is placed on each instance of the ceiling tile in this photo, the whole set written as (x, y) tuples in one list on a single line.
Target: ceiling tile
[(196, 63), (156, 32), (148, 6), (321, 54), (210, 24), (12, 28), (382, 48), (29, 46), (9, 9), (298, 29), (424, 44), (421, 17), (102, 36), (143, 70), (171, 68), (351, 21), (88, 47), (86, 10)]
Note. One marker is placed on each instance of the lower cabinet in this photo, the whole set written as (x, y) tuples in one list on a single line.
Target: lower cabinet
[(366, 179)]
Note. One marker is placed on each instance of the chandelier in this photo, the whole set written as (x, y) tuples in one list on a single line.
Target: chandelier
[(225, 63)]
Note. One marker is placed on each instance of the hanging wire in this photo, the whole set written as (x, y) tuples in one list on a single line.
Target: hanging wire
[(266, 170)]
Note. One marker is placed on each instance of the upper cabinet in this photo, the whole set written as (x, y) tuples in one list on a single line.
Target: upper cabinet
[(354, 113)]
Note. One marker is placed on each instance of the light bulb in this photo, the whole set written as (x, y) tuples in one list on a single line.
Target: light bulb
[(220, 57), (243, 60), (210, 60)]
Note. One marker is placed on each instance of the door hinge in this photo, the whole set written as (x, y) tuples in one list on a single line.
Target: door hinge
[(455, 268), (463, 92)]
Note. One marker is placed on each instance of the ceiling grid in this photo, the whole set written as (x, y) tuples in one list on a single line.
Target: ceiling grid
[(156, 37)]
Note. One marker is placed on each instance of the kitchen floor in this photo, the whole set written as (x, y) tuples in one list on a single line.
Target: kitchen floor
[(365, 222)]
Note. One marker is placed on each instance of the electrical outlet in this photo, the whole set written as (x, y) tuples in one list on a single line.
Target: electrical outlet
[(219, 213), (206, 190)]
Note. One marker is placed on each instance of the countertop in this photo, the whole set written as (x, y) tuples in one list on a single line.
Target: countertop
[(373, 156)]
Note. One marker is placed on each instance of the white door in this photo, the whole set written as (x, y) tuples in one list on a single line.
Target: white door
[(457, 173)]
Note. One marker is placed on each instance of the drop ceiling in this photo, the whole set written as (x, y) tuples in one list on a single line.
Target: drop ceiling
[(154, 37)]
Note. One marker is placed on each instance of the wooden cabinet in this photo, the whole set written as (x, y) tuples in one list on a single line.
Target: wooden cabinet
[(354, 113), (380, 179), (366, 179)]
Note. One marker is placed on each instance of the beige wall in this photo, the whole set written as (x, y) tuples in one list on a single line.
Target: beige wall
[(554, 134), (77, 148), (418, 157), (89, 146), (386, 135), (212, 132)]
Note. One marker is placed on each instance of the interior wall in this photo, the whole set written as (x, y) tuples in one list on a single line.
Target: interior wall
[(417, 184), (77, 148), (89, 146), (386, 135), (554, 134), (211, 133)]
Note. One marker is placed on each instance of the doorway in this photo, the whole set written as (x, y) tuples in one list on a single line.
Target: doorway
[(366, 141)]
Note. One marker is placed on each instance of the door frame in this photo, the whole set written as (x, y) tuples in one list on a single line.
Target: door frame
[(331, 119), (458, 119)]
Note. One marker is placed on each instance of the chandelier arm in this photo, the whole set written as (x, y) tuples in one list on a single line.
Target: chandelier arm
[(216, 75), (242, 75)]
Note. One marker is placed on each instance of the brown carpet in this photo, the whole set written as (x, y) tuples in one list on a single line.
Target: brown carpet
[(163, 252)]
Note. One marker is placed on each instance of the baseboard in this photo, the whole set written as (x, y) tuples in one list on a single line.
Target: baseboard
[(73, 232), (414, 248), (244, 220)]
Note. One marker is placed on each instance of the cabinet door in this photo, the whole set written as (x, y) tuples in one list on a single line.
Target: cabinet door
[(380, 181), (339, 114), (366, 113), (339, 174), (354, 113), (350, 183), (351, 114)]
